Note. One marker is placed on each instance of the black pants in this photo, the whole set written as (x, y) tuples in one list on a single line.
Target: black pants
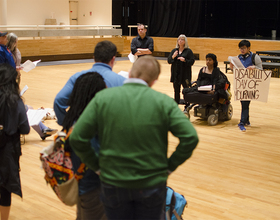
[(5, 197), (177, 89)]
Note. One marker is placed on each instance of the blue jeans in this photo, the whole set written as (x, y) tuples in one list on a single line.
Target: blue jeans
[(122, 203), (244, 112)]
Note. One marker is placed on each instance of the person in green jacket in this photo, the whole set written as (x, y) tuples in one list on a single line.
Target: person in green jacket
[(132, 123)]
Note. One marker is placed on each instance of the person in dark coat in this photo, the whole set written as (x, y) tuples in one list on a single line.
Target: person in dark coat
[(181, 59), (13, 123)]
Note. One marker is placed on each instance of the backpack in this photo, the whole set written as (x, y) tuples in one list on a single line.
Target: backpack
[(175, 204), (224, 88), (253, 58), (57, 164)]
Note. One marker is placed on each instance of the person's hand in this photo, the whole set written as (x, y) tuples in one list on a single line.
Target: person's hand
[(182, 59), (231, 66), (251, 67), (175, 54), (211, 92), (19, 68)]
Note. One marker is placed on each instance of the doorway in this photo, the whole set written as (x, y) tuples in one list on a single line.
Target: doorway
[(73, 13)]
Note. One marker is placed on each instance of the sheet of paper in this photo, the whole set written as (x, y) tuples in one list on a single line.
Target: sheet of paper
[(236, 62), (35, 116), (29, 65), (123, 73), (205, 88), (23, 90), (132, 57)]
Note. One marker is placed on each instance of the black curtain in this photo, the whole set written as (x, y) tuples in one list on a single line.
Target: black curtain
[(170, 18)]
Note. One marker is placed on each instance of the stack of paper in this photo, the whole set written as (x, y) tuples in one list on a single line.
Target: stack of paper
[(205, 88)]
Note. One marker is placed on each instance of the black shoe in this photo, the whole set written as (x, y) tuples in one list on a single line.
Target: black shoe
[(48, 132)]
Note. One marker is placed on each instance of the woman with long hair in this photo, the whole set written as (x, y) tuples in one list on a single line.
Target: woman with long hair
[(13, 123), (181, 59), (89, 205), (12, 41), (209, 75)]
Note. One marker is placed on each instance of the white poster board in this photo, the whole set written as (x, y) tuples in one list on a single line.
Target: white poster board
[(251, 84)]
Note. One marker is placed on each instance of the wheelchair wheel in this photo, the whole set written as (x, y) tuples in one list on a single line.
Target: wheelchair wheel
[(229, 112), (212, 120)]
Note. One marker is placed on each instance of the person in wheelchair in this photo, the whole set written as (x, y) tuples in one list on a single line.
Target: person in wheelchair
[(210, 91), (208, 75)]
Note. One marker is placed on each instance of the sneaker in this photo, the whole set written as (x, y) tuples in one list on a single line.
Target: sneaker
[(241, 127), (48, 132), (248, 124)]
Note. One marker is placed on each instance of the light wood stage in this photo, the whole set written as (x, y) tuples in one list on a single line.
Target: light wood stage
[(231, 175)]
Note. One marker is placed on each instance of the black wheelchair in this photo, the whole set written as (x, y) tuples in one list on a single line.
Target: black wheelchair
[(212, 107)]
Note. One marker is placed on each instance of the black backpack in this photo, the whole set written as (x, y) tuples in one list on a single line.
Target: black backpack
[(253, 58)]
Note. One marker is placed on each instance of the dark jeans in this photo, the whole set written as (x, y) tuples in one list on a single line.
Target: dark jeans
[(244, 112), (122, 203), (177, 90), (90, 207)]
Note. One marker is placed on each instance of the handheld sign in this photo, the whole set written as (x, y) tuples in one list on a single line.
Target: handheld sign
[(251, 84)]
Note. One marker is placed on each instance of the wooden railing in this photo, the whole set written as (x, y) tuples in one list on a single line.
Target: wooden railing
[(62, 30)]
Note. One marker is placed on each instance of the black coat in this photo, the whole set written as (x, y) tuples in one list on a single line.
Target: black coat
[(16, 123), (180, 71)]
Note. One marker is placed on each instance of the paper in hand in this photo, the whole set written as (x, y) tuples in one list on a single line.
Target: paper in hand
[(23, 90), (29, 65), (124, 74), (205, 88), (236, 62), (35, 116), (132, 57)]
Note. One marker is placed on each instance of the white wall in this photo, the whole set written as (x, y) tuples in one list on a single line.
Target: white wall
[(101, 12), (35, 12)]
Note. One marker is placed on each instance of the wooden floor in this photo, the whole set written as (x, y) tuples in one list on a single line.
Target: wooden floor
[(231, 175)]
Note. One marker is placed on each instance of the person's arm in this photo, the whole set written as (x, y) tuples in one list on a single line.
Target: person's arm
[(198, 81), (188, 57), (181, 127), (148, 50), (143, 51), (61, 100), (84, 130), (2, 56), (172, 56), (133, 46), (258, 62)]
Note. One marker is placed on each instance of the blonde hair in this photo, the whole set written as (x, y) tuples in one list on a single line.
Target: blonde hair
[(186, 41), (146, 68), (12, 39)]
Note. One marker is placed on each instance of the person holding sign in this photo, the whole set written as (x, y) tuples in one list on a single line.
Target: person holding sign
[(249, 61)]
